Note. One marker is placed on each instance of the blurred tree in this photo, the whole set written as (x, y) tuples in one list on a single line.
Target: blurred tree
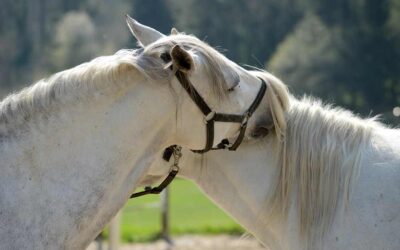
[(108, 16), (393, 27), (26, 31), (154, 13), (309, 59), (13, 46), (362, 58), (75, 40), (249, 30)]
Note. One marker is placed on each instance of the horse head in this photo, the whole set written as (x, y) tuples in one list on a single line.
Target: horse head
[(222, 84)]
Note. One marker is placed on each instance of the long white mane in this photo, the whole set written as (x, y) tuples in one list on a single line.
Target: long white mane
[(319, 161)]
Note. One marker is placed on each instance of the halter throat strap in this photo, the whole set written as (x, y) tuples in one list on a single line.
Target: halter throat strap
[(210, 116)]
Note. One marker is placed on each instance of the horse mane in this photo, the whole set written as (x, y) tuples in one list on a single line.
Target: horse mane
[(319, 161), (81, 83)]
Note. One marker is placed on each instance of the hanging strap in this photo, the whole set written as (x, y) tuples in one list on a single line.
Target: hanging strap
[(168, 152), (156, 190)]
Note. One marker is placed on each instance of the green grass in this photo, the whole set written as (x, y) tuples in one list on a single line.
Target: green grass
[(190, 212)]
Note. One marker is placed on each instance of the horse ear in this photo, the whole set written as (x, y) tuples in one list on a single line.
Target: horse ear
[(262, 127), (174, 31), (181, 59), (143, 34)]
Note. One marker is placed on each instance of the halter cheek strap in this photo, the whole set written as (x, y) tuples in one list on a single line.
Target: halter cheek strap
[(210, 117)]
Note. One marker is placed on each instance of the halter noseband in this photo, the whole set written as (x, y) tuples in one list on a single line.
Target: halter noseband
[(210, 117)]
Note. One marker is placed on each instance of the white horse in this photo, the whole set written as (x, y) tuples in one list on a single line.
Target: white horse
[(322, 178), (74, 146)]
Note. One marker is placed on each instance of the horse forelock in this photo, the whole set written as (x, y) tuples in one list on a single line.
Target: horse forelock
[(319, 161)]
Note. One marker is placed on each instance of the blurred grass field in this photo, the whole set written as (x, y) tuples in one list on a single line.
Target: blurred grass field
[(191, 212)]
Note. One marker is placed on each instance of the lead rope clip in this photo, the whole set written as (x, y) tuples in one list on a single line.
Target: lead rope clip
[(177, 156)]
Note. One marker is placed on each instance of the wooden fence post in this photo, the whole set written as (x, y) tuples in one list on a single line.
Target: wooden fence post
[(165, 227), (115, 232)]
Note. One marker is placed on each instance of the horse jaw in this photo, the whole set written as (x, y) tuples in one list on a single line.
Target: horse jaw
[(144, 35), (240, 186)]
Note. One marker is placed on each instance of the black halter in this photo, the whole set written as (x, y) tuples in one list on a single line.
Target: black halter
[(210, 117)]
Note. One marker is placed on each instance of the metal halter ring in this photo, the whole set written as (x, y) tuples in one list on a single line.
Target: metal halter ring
[(177, 154), (174, 168)]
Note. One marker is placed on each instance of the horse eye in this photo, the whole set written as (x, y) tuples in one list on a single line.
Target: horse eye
[(259, 132), (166, 57), (236, 84)]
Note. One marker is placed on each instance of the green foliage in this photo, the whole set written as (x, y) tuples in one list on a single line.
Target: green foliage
[(75, 40), (249, 31), (346, 47), (146, 11), (393, 27), (308, 57)]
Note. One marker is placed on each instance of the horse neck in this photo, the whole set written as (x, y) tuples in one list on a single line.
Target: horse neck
[(262, 193), (82, 162), (238, 182)]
